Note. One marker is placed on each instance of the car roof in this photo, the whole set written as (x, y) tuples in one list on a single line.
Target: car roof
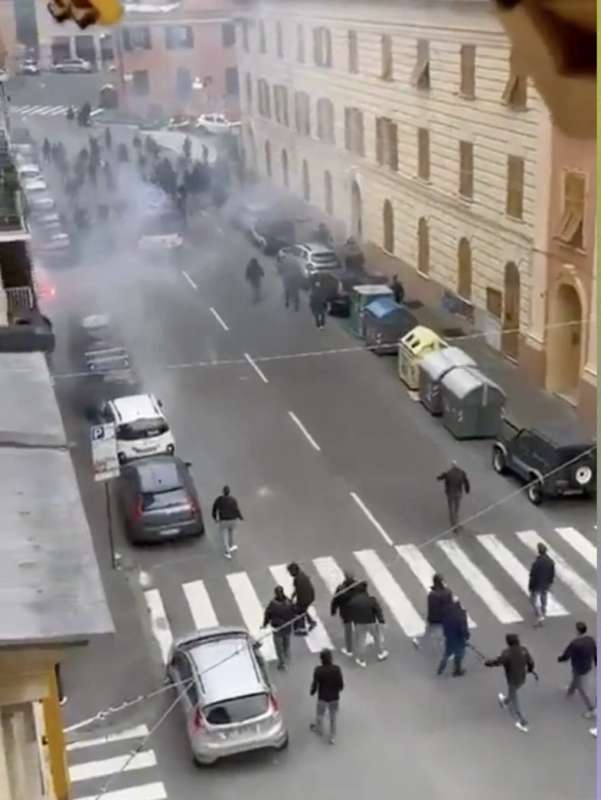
[(226, 663), (562, 435), (136, 406), (159, 473)]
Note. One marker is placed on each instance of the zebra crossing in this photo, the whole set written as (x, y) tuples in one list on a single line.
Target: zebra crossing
[(489, 573), (45, 111), (95, 760)]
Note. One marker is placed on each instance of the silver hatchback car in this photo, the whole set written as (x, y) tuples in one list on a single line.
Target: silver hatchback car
[(229, 703)]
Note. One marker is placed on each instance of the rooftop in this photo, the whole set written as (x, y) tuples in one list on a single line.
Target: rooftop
[(50, 585)]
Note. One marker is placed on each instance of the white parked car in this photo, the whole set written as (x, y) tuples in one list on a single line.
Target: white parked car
[(141, 427), (72, 65), (34, 184), (215, 123), (28, 171), (160, 243)]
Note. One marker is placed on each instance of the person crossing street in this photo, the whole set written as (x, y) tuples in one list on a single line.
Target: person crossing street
[(254, 276), (517, 663), (439, 599), (582, 655), (455, 484), (318, 303), (226, 513), (340, 605), (456, 636), (366, 615), (279, 614), (540, 580), (327, 684), (302, 597), (293, 282)]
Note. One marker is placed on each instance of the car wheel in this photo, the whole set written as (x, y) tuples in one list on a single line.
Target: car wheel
[(498, 460), (170, 449), (583, 476), (284, 744), (535, 492), (122, 458)]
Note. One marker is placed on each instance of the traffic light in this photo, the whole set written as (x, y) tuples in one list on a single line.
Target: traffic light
[(86, 12)]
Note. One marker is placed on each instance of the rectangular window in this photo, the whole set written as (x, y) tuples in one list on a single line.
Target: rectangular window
[(137, 38), (423, 153), (466, 169), (515, 187), (354, 137), (140, 82), (387, 146), (262, 37), (387, 67), (264, 98), (302, 117), (572, 220), (325, 120), (515, 94), (232, 83), (468, 71), (183, 83), (228, 34), (421, 72), (245, 43), (179, 37), (280, 98), (322, 47), (494, 302), (279, 39), (249, 91), (353, 52), (300, 44)]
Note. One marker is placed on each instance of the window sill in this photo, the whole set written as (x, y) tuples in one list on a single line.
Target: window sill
[(517, 109), (424, 275), (465, 199), (425, 181), (519, 220)]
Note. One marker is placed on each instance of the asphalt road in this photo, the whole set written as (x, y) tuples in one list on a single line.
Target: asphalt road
[(358, 449)]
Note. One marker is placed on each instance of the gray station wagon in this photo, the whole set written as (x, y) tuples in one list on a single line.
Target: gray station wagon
[(229, 703)]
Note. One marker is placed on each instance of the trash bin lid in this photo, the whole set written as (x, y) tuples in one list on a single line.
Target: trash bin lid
[(438, 362), (462, 381), (420, 338), (383, 307), (372, 289)]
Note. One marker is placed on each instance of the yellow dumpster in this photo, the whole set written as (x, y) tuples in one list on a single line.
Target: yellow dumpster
[(412, 348)]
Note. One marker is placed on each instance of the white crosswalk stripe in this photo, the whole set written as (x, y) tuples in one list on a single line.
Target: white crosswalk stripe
[(108, 766), (159, 623), (200, 605), (318, 638), (479, 583), (329, 572), (516, 570), (252, 611), (580, 543), (394, 597), (150, 791), (44, 111), (564, 571), (421, 568), (137, 732)]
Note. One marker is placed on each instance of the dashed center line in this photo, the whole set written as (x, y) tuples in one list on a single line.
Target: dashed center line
[(189, 279), (256, 368), (371, 517), (304, 431), (218, 318)]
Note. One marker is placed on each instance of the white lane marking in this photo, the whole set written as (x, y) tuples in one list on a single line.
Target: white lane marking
[(144, 579), (159, 624), (201, 608), (148, 791), (371, 517), (43, 110), (108, 766), (329, 572), (304, 431), (256, 368), (252, 611), (137, 732), (479, 583), (189, 279), (421, 568), (392, 594), (29, 110), (22, 109), (96, 111), (57, 110), (318, 638), (580, 543), (566, 574), (514, 568), (218, 318)]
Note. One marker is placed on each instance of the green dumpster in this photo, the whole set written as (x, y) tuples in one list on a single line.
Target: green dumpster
[(360, 297)]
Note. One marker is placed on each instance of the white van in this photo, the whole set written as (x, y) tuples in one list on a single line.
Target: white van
[(141, 427)]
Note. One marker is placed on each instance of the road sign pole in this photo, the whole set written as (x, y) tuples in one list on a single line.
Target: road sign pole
[(109, 520)]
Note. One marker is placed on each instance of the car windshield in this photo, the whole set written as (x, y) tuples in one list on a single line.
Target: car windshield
[(152, 501), (142, 429), (324, 258), (238, 709)]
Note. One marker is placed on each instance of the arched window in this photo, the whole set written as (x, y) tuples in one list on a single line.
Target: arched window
[(285, 172), (423, 247), (325, 120), (464, 269), (328, 192), (388, 222), (268, 159), (306, 182)]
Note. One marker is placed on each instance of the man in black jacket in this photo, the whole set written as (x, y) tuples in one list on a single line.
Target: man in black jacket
[(302, 597), (226, 513), (439, 598), (455, 484), (327, 684), (582, 655), (366, 614), (540, 580), (517, 663), (456, 637), (279, 614), (340, 605)]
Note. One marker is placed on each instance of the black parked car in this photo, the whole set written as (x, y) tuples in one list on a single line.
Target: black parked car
[(553, 461), (272, 236), (159, 500)]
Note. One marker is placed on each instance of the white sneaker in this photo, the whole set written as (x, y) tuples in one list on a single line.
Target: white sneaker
[(593, 732), (415, 642), (233, 548), (383, 655), (346, 652), (501, 698), (360, 663), (521, 727), (227, 554)]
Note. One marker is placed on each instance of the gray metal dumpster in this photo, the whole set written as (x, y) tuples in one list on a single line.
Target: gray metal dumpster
[(472, 405), (433, 368)]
